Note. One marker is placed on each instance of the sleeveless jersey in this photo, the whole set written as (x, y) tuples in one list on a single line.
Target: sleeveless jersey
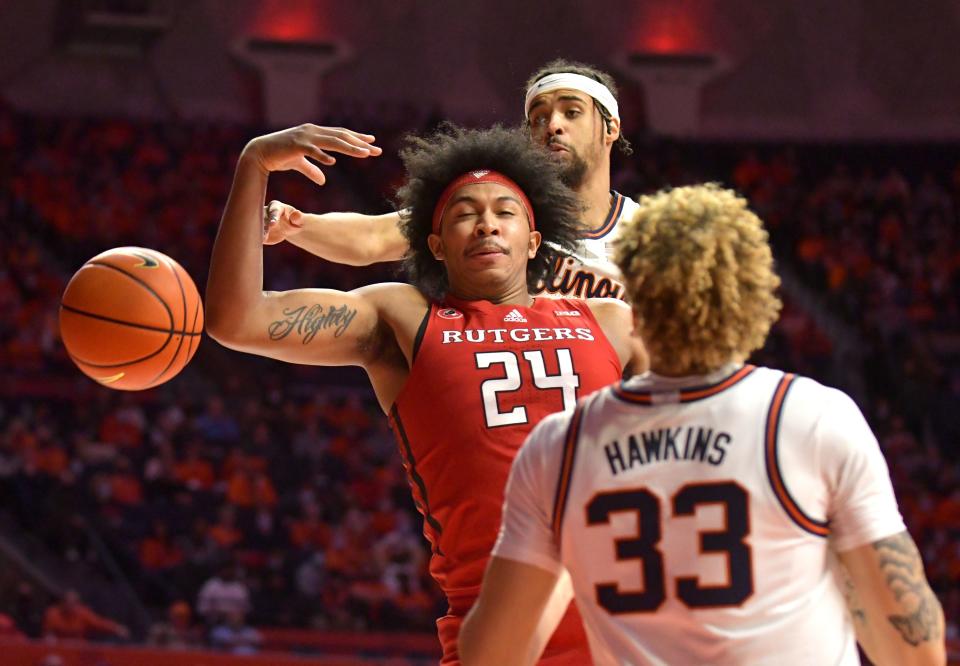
[(693, 516), (483, 375), (589, 271)]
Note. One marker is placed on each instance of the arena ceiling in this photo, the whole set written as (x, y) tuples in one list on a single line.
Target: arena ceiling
[(792, 68)]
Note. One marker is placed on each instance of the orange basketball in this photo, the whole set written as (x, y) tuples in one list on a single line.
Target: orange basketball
[(131, 318)]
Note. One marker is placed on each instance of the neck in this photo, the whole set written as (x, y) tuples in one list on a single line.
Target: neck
[(674, 371), (517, 295), (594, 194), (665, 368)]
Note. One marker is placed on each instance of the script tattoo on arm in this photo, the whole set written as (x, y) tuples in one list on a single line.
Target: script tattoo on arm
[(900, 562), (307, 321)]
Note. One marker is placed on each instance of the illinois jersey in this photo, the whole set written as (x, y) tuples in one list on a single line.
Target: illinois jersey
[(483, 375), (697, 516), (589, 272)]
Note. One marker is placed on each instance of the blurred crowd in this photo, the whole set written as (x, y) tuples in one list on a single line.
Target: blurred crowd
[(251, 506), (251, 494), (878, 239)]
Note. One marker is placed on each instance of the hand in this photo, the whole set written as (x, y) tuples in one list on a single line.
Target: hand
[(289, 149), (280, 222)]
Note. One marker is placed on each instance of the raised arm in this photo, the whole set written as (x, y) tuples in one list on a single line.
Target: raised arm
[(311, 326), (898, 618), (345, 238)]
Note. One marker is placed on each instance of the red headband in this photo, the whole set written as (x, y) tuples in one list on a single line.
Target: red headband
[(474, 178)]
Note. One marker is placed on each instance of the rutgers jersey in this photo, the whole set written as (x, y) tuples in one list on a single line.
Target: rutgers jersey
[(589, 272), (482, 376), (698, 516)]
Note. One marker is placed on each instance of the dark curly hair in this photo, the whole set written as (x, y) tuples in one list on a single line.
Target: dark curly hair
[(561, 66), (434, 161)]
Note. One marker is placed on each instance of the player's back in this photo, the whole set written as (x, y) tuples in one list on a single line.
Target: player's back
[(693, 521)]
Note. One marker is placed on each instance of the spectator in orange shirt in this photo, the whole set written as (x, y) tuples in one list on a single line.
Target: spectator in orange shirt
[(946, 515), (248, 487), (240, 459), (310, 530), (225, 532), (20, 436), (347, 414), (51, 457), (71, 619), (124, 426), (158, 552), (125, 486), (409, 606), (195, 472)]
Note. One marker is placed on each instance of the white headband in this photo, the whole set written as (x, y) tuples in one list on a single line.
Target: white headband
[(569, 81)]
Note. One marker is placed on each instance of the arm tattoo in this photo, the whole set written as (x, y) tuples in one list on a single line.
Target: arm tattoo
[(307, 322), (901, 564), (853, 600)]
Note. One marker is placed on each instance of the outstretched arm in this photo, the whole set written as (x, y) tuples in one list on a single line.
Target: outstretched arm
[(344, 238), (898, 618), (314, 326)]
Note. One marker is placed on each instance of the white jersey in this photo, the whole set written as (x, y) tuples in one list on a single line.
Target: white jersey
[(697, 516), (589, 272)]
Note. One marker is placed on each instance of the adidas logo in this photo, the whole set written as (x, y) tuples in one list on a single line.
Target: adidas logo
[(515, 315)]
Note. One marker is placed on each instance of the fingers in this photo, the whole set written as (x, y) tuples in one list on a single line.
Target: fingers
[(272, 211), (271, 214), (310, 170), (280, 221), (277, 211), (296, 147), (320, 156), (341, 140), (269, 221)]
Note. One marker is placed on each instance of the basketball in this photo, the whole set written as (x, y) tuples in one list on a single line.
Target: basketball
[(131, 318)]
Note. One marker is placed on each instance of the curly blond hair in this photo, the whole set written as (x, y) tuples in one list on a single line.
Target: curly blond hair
[(698, 268)]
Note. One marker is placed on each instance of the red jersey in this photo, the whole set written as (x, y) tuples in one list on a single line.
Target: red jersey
[(482, 376)]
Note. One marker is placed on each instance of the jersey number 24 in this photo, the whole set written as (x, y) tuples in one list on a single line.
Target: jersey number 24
[(567, 381)]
